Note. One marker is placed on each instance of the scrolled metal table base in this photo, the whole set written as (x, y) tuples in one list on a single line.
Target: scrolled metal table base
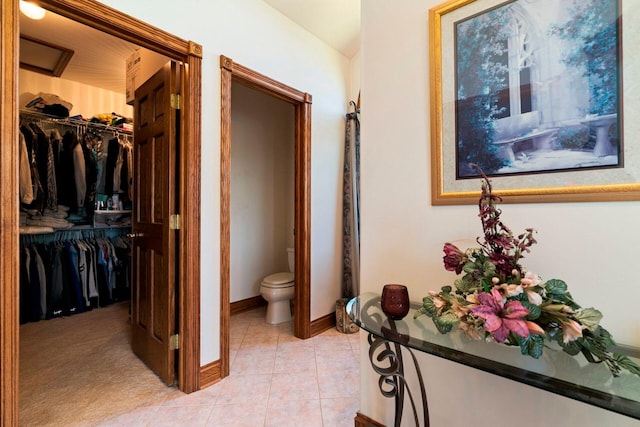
[(386, 360)]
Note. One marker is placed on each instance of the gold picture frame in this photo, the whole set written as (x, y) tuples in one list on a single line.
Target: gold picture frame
[(580, 184)]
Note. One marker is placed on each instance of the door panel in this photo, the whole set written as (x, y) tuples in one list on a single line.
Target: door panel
[(153, 296)]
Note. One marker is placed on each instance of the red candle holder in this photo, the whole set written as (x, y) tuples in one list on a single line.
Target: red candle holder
[(395, 301)]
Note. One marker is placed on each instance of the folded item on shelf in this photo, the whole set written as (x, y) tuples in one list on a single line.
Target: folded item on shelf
[(55, 214), (112, 220), (34, 229), (51, 104), (48, 221)]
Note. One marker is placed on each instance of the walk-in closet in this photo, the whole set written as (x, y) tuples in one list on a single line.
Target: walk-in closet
[(75, 194), (76, 175)]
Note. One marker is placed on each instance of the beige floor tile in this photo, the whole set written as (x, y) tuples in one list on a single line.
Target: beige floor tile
[(335, 360), (253, 362), (244, 388), (331, 342), (339, 412), (293, 386), (235, 341), (339, 384), (286, 342), (291, 360), (354, 340), (262, 330), (249, 414), (294, 413), (238, 326), (181, 416), (259, 343), (286, 329), (232, 355)]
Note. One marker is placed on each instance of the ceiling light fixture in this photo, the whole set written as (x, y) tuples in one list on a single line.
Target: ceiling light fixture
[(31, 10)]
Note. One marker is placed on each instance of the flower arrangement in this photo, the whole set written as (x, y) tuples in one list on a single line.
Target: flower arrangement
[(498, 300)]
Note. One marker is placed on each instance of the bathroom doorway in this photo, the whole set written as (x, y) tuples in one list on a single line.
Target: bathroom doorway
[(262, 201), (234, 73)]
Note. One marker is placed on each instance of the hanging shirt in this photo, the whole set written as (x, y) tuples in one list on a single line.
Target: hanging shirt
[(26, 190), (79, 174)]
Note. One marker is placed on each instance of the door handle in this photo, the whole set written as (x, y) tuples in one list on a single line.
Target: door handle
[(136, 234)]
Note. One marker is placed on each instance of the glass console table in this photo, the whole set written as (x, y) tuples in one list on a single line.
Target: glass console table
[(556, 371)]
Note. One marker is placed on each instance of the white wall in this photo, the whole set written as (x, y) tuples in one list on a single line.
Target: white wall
[(87, 100), (355, 78), (262, 188), (257, 36), (592, 246)]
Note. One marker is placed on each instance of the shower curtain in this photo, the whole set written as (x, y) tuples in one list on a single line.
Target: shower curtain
[(351, 206)]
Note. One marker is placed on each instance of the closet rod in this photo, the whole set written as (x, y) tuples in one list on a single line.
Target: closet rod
[(69, 121)]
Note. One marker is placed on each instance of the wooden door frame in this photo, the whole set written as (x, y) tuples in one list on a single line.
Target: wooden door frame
[(234, 72), (118, 24)]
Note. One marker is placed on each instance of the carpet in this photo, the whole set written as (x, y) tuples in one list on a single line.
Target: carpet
[(78, 370)]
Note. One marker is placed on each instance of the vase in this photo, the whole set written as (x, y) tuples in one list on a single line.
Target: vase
[(395, 301), (344, 324)]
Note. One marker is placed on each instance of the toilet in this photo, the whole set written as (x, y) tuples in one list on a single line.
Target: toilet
[(278, 290)]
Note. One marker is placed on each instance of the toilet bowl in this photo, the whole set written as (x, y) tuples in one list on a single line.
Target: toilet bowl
[(278, 290)]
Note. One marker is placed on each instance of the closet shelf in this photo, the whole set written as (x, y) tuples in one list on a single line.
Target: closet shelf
[(111, 212), (72, 122), (84, 227)]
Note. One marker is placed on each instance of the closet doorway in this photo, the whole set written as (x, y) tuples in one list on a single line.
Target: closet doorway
[(110, 21), (236, 73)]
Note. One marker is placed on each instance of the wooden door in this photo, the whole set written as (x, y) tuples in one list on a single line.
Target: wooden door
[(154, 243)]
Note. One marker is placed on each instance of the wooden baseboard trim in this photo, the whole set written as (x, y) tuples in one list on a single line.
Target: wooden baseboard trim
[(210, 374), (247, 304), (322, 324), (364, 421)]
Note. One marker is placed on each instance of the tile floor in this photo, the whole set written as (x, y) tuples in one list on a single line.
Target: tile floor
[(275, 380)]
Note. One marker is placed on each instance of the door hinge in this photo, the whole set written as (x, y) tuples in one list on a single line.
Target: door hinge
[(174, 222), (174, 342), (175, 101)]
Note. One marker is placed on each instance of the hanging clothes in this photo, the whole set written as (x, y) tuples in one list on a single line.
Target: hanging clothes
[(69, 276), (30, 139), (26, 185), (63, 168), (69, 164)]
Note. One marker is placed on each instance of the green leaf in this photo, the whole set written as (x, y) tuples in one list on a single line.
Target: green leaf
[(419, 312), (446, 289), (589, 318), (489, 269), (534, 310), (445, 322), (469, 267), (532, 345), (463, 285), (572, 347), (429, 307), (626, 363), (556, 288), (604, 337)]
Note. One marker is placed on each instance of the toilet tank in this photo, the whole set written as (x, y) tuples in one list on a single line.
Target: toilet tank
[(292, 259)]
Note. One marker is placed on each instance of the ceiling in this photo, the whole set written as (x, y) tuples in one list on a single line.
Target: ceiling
[(336, 22), (99, 59)]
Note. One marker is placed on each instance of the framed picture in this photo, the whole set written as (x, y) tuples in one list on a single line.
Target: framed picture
[(534, 93)]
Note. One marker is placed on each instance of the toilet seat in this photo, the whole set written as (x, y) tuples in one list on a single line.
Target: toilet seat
[(278, 280)]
